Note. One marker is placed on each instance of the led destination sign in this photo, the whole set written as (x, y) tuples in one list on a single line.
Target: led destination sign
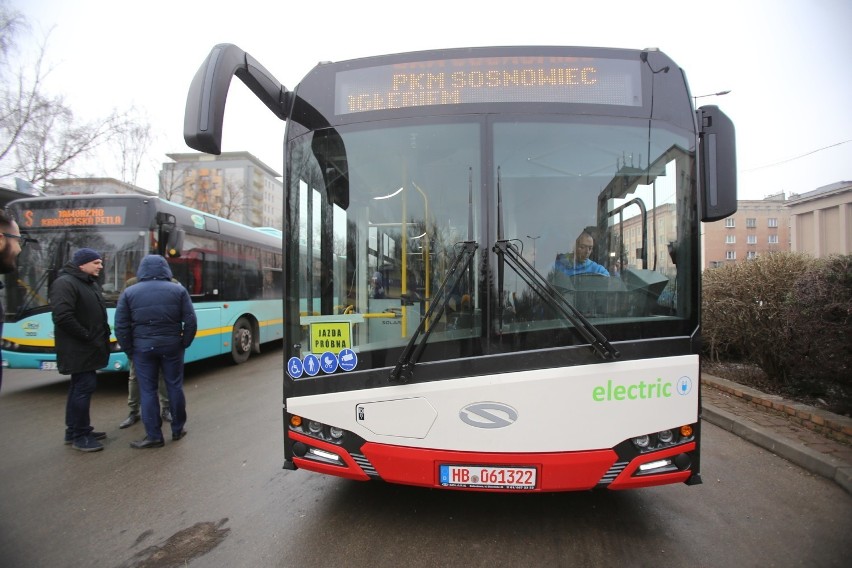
[(75, 217), (489, 80)]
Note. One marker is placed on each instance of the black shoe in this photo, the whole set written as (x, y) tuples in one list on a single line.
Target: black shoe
[(131, 419), (167, 415), (178, 435), (87, 444), (95, 435), (146, 443)]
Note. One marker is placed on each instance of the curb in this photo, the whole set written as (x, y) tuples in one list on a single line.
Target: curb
[(799, 454), (796, 452), (831, 425)]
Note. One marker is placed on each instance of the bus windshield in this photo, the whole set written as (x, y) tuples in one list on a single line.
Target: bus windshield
[(382, 260), (39, 266)]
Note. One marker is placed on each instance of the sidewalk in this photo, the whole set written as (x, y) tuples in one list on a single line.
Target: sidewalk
[(818, 441)]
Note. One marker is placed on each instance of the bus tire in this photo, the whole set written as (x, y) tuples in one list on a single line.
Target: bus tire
[(242, 340)]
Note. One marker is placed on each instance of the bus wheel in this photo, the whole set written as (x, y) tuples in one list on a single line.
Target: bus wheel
[(241, 341)]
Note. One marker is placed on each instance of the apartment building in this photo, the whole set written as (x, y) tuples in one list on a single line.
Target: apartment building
[(234, 185), (758, 227)]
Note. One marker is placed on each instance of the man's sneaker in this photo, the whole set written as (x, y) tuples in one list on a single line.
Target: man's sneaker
[(95, 435), (87, 444), (178, 435), (167, 415), (131, 419)]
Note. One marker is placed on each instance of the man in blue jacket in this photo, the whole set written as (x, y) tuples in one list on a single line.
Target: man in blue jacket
[(581, 264), (155, 323)]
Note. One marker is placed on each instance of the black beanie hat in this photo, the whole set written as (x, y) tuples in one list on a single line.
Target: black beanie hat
[(85, 256)]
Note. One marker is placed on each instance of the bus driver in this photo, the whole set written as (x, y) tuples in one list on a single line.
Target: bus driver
[(582, 264)]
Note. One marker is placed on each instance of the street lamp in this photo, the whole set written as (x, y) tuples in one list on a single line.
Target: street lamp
[(534, 239), (719, 94)]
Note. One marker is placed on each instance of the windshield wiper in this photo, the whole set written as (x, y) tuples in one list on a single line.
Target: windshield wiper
[(404, 368), (508, 252)]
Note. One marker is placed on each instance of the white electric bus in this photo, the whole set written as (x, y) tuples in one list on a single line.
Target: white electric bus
[(491, 276)]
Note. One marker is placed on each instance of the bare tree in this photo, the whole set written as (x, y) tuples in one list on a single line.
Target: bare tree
[(132, 141), (172, 183), (40, 137), (231, 205), (10, 22)]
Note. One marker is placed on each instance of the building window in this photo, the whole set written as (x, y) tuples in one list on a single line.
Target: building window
[(731, 255), (773, 222), (751, 223), (752, 239), (773, 239), (752, 254), (730, 239), (729, 222)]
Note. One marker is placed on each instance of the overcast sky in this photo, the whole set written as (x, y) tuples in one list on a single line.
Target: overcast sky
[(787, 63)]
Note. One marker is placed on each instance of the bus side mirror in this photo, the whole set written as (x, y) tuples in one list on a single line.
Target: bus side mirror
[(205, 102), (174, 247), (717, 163)]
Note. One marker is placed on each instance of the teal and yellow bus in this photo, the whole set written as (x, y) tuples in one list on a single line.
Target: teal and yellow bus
[(232, 272)]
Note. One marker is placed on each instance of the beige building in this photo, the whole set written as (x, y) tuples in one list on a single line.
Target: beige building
[(758, 227), (821, 220), (234, 185), (661, 229)]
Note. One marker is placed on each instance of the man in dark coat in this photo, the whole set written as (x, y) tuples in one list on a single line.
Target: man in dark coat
[(82, 342), (155, 323), (11, 243)]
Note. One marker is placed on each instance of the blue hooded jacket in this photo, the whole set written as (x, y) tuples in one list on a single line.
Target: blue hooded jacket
[(154, 312)]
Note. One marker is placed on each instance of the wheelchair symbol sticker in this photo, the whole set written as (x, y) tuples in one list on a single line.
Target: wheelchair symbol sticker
[(294, 367)]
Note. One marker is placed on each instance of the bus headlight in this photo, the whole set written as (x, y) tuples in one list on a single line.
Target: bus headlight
[(317, 429), (642, 442)]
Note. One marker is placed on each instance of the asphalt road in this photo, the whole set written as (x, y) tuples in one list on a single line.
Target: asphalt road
[(220, 498)]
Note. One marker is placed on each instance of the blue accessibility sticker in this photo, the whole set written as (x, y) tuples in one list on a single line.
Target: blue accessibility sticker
[(294, 367), (311, 364), (328, 362), (348, 359)]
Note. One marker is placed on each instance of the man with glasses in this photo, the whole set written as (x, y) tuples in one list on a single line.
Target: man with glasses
[(581, 263), (11, 243)]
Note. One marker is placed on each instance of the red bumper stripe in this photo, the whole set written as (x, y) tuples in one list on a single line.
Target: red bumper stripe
[(571, 471)]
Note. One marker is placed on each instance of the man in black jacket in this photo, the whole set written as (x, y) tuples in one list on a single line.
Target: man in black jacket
[(82, 342), (11, 243)]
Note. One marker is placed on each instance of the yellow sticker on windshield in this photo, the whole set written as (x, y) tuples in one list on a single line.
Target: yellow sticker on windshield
[(330, 336)]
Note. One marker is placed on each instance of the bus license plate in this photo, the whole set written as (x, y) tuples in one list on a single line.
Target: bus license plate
[(488, 477), (48, 365)]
